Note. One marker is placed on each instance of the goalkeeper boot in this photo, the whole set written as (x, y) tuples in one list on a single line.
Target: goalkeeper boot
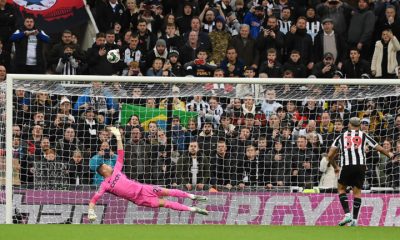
[(354, 223), (200, 211), (347, 219), (200, 198)]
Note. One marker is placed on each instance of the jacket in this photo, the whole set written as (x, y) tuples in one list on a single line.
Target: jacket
[(393, 48)]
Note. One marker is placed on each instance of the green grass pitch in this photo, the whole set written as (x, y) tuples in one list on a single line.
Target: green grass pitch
[(194, 232)]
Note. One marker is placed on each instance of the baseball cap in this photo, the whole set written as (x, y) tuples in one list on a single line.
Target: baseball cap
[(355, 121), (328, 55)]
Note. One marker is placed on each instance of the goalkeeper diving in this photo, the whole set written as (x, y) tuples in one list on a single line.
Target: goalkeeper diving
[(117, 183)]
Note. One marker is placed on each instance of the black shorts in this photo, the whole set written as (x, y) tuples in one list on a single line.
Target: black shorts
[(353, 176)]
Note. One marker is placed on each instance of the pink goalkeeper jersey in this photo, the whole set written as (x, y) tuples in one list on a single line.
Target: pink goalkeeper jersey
[(118, 184)]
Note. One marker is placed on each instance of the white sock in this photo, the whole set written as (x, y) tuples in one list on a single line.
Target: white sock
[(192, 209), (192, 196)]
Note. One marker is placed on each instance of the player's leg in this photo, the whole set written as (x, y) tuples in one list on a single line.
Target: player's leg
[(181, 207), (356, 204), (164, 192), (345, 204), (358, 183)]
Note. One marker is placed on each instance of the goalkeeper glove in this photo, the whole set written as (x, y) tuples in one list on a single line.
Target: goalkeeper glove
[(115, 131), (92, 215)]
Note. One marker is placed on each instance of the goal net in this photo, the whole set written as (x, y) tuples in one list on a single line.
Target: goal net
[(256, 150)]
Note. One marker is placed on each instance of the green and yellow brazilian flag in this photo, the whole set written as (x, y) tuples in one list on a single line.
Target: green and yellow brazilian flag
[(157, 115)]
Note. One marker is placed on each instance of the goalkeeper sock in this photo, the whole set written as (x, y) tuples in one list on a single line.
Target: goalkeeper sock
[(179, 193), (356, 207), (344, 202), (176, 206)]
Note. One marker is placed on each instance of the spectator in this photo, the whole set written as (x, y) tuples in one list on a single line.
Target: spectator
[(193, 168), (103, 102), (8, 19), (245, 47), (104, 156), (298, 39), (254, 19), (183, 22), (29, 48), (269, 104), (393, 169), (68, 64), (328, 177), (250, 170), (313, 24), (207, 17), (226, 129), (271, 37), (188, 51), (384, 59), (137, 159), (88, 128), (285, 21), (78, 170), (361, 29), (203, 38), (243, 139), (147, 39), (176, 66), (388, 20), (329, 41), (173, 40), (197, 104), (5, 57), (199, 67), (58, 50), (326, 68), (233, 24), (271, 67), (339, 12), (207, 139), (219, 40), (232, 65), (221, 166), (156, 68), (295, 65), (356, 67), (304, 170), (108, 13), (66, 146), (159, 51), (277, 171), (132, 54), (130, 17), (244, 89), (97, 57)]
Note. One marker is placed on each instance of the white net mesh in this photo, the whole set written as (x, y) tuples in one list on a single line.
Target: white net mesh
[(251, 148)]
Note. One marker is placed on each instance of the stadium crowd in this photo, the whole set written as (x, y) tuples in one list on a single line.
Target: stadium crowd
[(250, 139)]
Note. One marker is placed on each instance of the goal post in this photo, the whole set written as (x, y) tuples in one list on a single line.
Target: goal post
[(280, 203)]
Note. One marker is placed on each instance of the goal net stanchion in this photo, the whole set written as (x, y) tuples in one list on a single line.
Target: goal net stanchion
[(274, 134)]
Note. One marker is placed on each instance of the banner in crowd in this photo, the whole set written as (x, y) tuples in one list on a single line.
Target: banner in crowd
[(157, 115), (225, 208), (52, 16)]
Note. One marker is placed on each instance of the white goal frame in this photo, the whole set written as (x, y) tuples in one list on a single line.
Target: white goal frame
[(144, 79)]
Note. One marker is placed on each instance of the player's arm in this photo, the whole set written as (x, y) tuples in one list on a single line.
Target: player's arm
[(91, 214), (371, 142), (120, 148), (331, 157), (380, 149)]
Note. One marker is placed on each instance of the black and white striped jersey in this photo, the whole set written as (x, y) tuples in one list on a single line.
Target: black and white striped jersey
[(352, 145)]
